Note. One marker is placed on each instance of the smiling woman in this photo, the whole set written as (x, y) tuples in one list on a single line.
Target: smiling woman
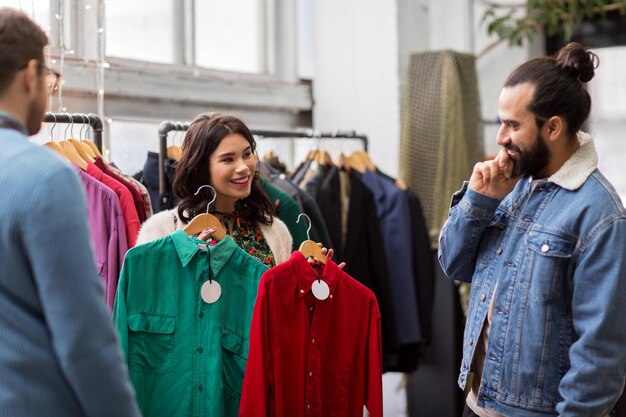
[(219, 150)]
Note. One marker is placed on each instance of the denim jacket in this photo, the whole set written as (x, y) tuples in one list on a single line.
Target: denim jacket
[(557, 250)]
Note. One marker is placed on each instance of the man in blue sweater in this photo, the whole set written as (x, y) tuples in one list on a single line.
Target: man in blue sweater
[(59, 355)]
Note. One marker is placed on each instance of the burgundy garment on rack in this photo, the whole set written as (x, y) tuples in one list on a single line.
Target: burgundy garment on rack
[(137, 198)]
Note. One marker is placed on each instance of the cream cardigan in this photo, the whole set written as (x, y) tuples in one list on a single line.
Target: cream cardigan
[(166, 222)]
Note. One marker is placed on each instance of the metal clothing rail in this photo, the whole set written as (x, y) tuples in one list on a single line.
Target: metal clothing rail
[(79, 118), (169, 126)]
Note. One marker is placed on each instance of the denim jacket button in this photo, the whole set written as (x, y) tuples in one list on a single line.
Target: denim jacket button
[(499, 251), (545, 248), (482, 297)]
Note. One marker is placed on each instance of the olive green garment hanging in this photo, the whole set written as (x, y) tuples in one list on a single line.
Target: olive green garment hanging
[(441, 137)]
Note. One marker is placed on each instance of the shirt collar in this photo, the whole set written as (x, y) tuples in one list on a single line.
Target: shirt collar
[(305, 275), (99, 162), (187, 247), (7, 120), (575, 171), (94, 171)]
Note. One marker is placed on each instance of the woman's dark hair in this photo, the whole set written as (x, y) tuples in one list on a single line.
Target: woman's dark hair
[(204, 135), (558, 82)]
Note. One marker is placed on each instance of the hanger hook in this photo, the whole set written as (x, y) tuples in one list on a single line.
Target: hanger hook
[(66, 127), (54, 116), (309, 219), (72, 125), (214, 195), (80, 133)]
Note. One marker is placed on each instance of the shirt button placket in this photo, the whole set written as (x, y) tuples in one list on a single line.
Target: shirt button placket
[(312, 383)]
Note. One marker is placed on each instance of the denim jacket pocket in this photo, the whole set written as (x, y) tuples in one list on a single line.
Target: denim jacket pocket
[(151, 343), (547, 263)]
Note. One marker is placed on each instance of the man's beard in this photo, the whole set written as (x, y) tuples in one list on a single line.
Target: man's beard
[(34, 117), (531, 161)]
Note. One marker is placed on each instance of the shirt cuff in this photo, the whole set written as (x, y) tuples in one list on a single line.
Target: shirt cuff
[(475, 204)]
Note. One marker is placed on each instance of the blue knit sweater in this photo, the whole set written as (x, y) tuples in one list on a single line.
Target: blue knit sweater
[(59, 355)]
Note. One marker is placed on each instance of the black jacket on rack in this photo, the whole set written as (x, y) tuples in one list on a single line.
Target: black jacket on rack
[(409, 355), (150, 178), (363, 251), (423, 266)]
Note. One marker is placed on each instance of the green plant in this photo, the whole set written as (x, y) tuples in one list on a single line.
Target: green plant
[(517, 23)]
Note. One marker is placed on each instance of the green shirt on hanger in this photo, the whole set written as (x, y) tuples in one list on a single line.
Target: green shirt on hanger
[(186, 357)]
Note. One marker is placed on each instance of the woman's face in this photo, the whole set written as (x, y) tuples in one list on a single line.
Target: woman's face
[(231, 168)]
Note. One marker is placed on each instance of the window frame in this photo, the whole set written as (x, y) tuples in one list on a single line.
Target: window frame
[(141, 90)]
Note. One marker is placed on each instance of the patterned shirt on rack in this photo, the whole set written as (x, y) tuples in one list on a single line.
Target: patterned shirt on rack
[(248, 236)]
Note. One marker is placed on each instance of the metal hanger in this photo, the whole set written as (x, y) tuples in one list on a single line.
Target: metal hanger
[(309, 248), (206, 220)]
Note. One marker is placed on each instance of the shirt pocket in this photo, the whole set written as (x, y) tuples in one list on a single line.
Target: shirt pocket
[(234, 357), (151, 343), (549, 255)]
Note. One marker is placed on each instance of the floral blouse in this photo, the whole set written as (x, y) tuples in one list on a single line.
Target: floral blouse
[(248, 236)]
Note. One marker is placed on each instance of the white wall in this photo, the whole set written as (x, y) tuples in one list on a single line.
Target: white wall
[(449, 25), (493, 68), (362, 50), (356, 73)]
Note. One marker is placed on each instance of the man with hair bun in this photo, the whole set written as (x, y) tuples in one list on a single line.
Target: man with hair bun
[(540, 234)]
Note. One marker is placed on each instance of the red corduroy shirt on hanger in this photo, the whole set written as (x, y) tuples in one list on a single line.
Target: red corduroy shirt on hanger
[(311, 357)]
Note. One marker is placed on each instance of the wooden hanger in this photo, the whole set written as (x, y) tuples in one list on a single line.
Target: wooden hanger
[(401, 184), (268, 155), (70, 149), (323, 158), (54, 146), (342, 161), (81, 150), (361, 161), (72, 155), (206, 220), (90, 147), (355, 162), (93, 147), (174, 152), (88, 150), (366, 159), (309, 248), (85, 150)]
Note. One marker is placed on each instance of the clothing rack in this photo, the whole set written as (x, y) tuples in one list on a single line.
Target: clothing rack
[(79, 118), (168, 126)]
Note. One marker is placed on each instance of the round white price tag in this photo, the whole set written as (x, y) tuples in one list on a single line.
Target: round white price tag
[(320, 289), (211, 291)]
